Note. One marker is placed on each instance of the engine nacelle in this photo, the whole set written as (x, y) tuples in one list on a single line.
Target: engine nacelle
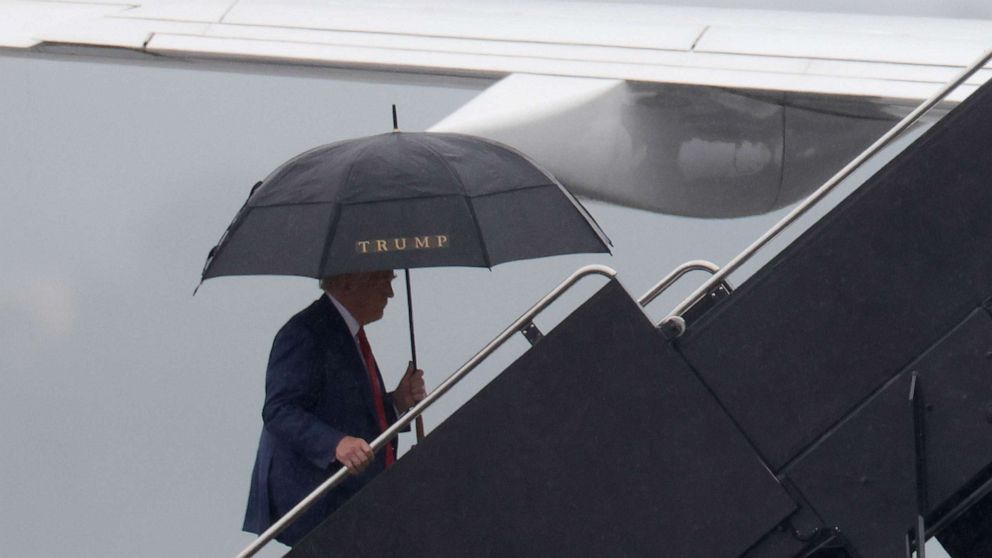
[(677, 149)]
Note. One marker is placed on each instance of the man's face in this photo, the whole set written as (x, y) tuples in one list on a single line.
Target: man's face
[(371, 291)]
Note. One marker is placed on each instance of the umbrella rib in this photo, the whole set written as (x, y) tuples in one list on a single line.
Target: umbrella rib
[(436, 196), (239, 219), (478, 232), (287, 204), (291, 204), (326, 249), (446, 166), (517, 189), (590, 220), (322, 270), (468, 202)]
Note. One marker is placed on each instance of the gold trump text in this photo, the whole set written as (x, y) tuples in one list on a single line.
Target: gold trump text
[(429, 242)]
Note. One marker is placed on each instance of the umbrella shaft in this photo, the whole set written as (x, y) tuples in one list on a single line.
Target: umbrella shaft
[(409, 308), (413, 344)]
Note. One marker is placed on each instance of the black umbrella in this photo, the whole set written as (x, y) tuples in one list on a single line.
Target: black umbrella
[(403, 200)]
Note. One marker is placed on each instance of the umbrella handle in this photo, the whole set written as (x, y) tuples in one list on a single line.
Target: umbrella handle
[(420, 428)]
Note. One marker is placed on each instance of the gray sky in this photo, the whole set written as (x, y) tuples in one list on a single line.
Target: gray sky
[(130, 409)]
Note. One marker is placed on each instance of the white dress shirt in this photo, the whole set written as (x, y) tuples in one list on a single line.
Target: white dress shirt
[(353, 327)]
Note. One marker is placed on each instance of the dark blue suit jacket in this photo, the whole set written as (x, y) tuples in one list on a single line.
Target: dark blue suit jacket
[(316, 392)]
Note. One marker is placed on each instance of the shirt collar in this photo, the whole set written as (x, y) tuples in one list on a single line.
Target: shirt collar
[(352, 323)]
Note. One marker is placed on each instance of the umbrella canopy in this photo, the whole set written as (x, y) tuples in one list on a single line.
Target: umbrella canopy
[(403, 200)]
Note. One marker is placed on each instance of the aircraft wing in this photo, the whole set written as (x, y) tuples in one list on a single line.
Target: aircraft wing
[(695, 109)]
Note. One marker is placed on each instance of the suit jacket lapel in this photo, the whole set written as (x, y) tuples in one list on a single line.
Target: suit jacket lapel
[(339, 338)]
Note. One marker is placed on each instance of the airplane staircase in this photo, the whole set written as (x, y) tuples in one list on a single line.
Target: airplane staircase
[(837, 403)]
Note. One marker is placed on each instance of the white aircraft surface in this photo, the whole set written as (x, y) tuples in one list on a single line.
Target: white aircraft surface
[(703, 112)]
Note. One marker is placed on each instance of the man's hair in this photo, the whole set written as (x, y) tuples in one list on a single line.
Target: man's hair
[(332, 282)]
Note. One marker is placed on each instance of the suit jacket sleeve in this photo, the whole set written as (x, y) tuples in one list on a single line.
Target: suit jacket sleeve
[(293, 382)]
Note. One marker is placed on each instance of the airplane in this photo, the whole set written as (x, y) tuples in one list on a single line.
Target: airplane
[(633, 106), (702, 112)]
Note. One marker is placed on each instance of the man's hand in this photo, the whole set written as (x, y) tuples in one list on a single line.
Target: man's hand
[(354, 453), (411, 389)]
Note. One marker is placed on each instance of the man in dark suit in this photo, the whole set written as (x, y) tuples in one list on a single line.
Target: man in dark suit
[(324, 401)]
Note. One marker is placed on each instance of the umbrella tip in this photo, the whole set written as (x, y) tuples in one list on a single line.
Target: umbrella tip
[(396, 127)]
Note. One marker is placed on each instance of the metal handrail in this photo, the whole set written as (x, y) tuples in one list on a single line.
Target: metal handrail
[(419, 408), (675, 275), (829, 185)]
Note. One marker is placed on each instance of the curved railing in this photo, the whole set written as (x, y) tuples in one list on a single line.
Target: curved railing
[(675, 275)]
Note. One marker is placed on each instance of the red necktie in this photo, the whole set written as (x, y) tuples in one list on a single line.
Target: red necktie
[(380, 407)]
